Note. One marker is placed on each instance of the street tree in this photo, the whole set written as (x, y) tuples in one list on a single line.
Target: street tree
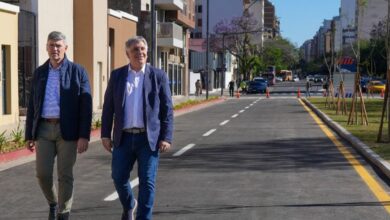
[(357, 92), (236, 37)]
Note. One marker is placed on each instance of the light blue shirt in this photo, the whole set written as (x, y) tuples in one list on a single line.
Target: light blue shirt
[(134, 117), (51, 103)]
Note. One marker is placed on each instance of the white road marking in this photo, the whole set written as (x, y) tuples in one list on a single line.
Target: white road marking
[(234, 116), (247, 107), (241, 111), (209, 132), (114, 196), (183, 150), (224, 122)]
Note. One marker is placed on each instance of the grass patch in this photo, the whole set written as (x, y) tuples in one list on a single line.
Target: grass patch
[(192, 102), (367, 134)]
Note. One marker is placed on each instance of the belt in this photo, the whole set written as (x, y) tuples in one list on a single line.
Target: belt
[(51, 120), (134, 130)]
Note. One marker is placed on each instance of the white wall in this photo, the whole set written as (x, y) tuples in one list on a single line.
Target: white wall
[(193, 78), (372, 13), (52, 15), (348, 20)]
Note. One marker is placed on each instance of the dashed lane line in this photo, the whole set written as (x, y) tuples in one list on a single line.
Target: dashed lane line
[(209, 132), (183, 150), (234, 116), (241, 111), (114, 196), (224, 123)]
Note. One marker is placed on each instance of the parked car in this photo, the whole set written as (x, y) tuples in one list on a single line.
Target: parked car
[(318, 79), (310, 78), (261, 79), (376, 86), (257, 87), (278, 79), (295, 78)]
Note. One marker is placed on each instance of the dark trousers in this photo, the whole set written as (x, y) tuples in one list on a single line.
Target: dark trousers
[(135, 147)]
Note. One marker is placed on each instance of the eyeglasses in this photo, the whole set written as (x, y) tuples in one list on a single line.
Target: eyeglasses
[(53, 46)]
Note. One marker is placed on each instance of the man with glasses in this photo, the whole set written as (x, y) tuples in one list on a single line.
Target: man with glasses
[(58, 123)]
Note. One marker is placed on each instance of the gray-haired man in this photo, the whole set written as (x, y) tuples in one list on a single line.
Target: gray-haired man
[(58, 123)]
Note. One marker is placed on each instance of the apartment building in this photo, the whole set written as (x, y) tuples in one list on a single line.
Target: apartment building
[(174, 20), (174, 23), (90, 45), (271, 22), (256, 9), (9, 111), (121, 27), (218, 75), (369, 15), (348, 22)]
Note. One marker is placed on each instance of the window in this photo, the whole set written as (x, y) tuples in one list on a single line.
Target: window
[(199, 22), (5, 91), (199, 9), (147, 7), (170, 76), (175, 80)]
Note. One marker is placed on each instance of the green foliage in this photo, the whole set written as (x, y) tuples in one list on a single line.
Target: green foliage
[(192, 102), (367, 134), (3, 140), (17, 136), (96, 123)]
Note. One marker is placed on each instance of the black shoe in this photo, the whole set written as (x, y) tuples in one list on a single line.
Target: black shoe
[(63, 216), (52, 212)]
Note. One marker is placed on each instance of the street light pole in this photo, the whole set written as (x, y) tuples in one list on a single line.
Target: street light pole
[(223, 63), (207, 51), (153, 33)]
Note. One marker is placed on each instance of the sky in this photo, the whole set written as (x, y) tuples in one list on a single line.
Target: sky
[(301, 19)]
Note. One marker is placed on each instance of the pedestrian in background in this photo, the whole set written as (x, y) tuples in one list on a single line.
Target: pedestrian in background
[(198, 88), (58, 123), (139, 97), (308, 88), (231, 88)]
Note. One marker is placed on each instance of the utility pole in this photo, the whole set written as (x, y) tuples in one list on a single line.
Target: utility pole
[(207, 50), (153, 33), (386, 101)]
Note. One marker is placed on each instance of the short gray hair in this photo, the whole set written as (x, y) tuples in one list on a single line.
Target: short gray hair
[(56, 36), (131, 41)]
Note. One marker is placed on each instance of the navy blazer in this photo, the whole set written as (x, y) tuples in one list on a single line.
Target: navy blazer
[(75, 101), (157, 100)]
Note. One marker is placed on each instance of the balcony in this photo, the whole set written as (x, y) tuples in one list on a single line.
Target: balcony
[(169, 34), (169, 4)]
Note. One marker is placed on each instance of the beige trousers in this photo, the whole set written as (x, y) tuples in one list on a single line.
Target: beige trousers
[(50, 145)]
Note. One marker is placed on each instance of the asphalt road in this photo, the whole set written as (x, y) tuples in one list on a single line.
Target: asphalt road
[(246, 158)]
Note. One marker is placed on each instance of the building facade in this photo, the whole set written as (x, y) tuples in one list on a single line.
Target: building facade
[(9, 109), (369, 15), (90, 45), (348, 21)]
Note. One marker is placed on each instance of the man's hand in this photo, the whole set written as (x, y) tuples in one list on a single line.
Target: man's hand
[(164, 146), (30, 145), (82, 145), (107, 144)]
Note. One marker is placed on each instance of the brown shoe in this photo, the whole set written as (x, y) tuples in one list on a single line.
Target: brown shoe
[(129, 215)]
